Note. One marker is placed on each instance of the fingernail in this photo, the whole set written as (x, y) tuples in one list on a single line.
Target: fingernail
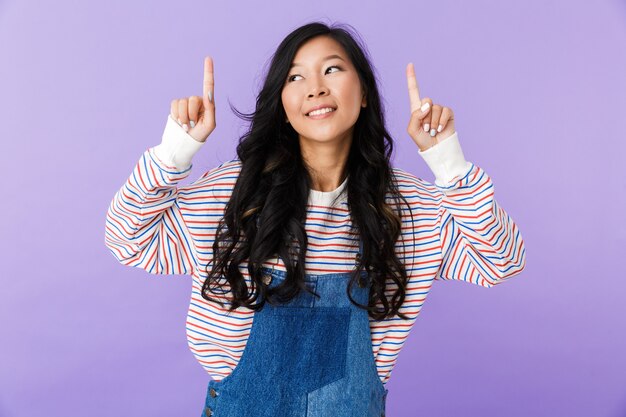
[(210, 95), (191, 122), (439, 128), (433, 132), (426, 127), (185, 127), (179, 122), (425, 106)]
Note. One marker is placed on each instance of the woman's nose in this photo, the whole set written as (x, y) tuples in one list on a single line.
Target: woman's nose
[(318, 91)]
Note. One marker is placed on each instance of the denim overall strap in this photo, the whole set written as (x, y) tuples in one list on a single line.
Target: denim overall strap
[(309, 357)]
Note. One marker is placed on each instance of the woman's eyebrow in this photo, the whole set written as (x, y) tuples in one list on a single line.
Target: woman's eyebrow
[(325, 59)]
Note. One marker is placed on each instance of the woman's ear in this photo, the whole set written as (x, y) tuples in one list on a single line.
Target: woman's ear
[(364, 101)]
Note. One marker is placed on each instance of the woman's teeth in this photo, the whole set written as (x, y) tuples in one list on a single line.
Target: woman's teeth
[(320, 111)]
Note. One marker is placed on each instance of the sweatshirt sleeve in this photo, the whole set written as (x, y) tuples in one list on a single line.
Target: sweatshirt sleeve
[(480, 243), (145, 227)]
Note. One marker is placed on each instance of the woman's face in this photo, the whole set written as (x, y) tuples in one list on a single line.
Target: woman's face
[(315, 79)]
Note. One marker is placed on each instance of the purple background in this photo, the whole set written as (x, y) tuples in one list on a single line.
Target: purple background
[(539, 94)]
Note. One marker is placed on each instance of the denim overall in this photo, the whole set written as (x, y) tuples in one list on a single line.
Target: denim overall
[(310, 357)]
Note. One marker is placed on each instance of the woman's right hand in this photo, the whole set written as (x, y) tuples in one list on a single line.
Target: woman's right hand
[(197, 114)]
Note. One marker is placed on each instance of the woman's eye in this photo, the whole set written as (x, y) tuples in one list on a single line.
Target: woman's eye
[(297, 75)]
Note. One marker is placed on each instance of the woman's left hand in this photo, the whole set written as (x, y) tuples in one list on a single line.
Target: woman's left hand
[(429, 124)]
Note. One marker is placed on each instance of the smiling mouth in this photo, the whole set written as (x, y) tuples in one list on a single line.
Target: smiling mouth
[(322, 113)]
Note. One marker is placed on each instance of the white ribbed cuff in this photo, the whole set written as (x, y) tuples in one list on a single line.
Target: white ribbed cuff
[(177, 147), (446, 160)]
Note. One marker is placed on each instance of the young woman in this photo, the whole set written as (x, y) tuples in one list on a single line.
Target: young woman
[(311, 256)]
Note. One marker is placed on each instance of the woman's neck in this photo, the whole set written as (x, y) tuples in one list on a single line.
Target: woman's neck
[(326, 184), (326, 163), (327, 174)]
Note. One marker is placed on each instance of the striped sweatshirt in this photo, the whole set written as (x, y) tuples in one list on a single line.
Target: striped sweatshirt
[(457, 232)]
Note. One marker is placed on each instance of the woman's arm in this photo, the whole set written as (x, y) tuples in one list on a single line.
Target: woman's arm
[(147, 221), (145, 225), (480, 243)]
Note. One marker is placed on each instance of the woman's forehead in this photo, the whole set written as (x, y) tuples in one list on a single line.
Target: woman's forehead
[(317, 50)]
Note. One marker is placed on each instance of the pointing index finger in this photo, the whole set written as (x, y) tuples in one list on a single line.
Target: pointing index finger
[(414, 94), (208, 83)]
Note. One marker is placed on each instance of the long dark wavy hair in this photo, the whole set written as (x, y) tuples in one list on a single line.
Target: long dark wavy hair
[(266, 213)]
